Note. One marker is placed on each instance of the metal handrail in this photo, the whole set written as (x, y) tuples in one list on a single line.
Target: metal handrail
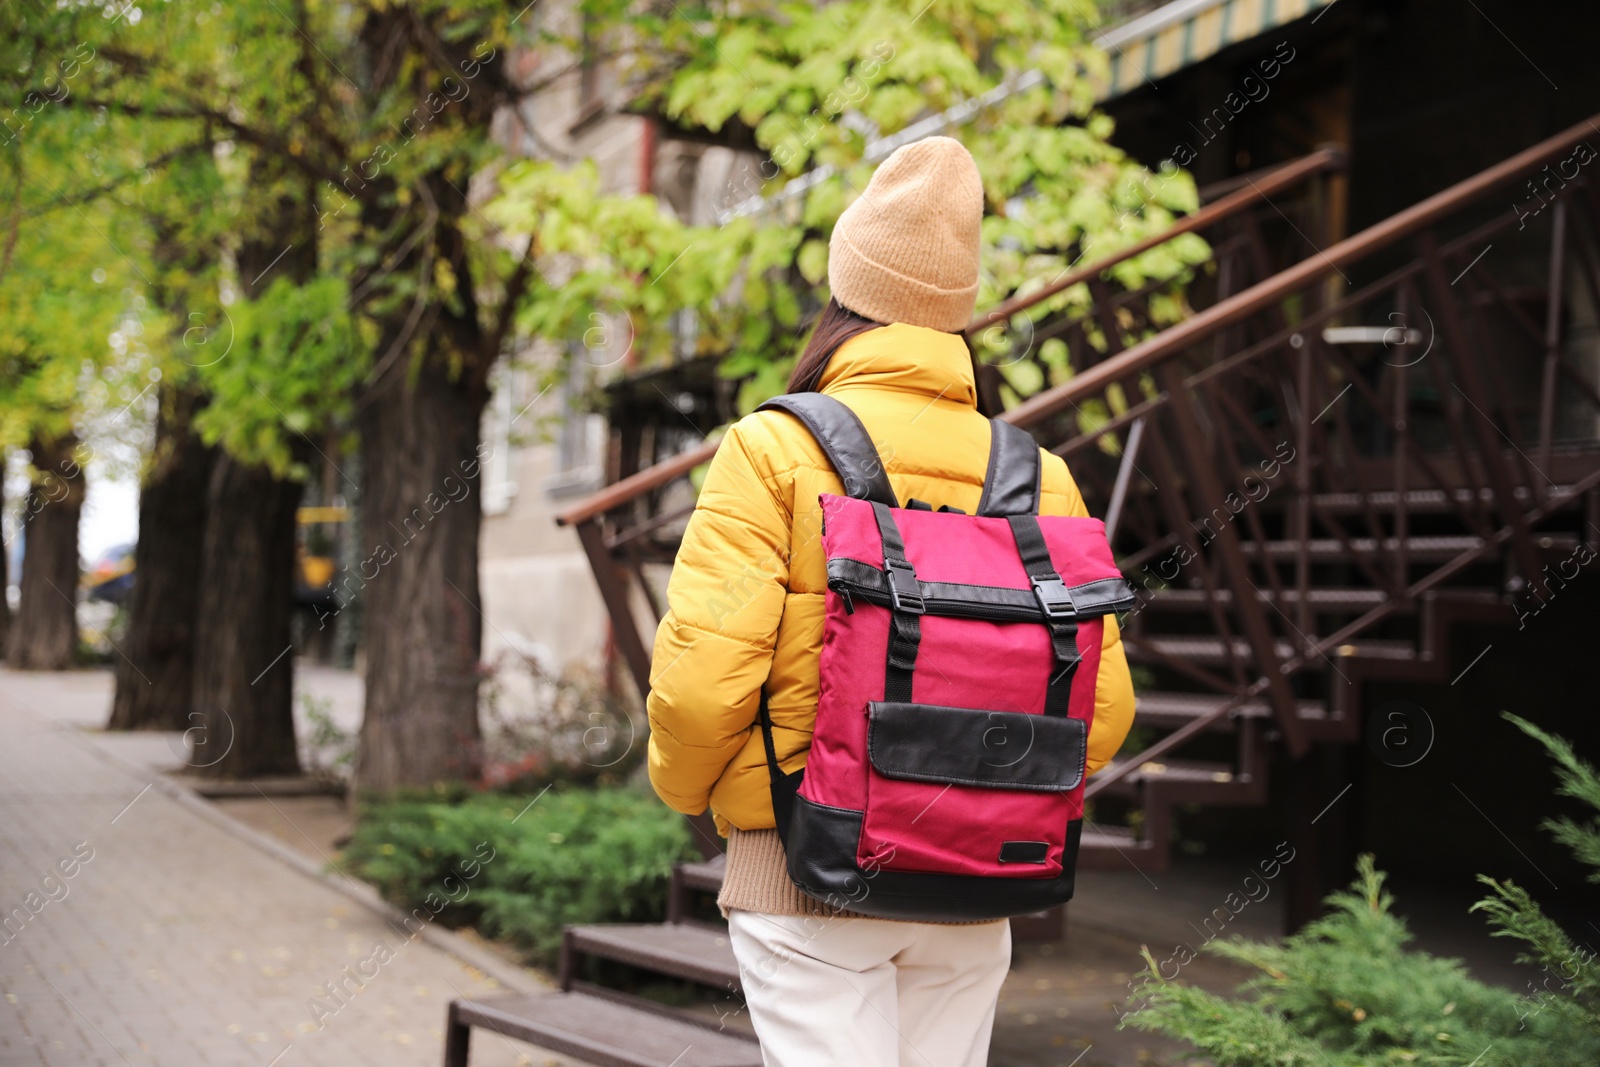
[(1284, 177), (1184, 372), (1236, 308), (1274, 181)]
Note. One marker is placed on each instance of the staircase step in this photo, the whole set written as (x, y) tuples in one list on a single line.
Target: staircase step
[(699, 953), (705, 876), (1328, 549), (1179, 709), (1114, 848), (1326, 600), (1418, 549), (1418, 501), (1175, 770), (1109, 838), (1211, 651), (606, 1031)]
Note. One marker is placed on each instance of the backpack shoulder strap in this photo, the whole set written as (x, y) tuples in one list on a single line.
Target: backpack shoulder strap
[(1011, 485), (842, 437)]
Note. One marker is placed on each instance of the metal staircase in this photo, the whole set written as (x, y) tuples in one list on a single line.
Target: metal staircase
[(1344, 451)]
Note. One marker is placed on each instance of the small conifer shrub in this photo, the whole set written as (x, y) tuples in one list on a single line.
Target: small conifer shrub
[(1346, 991)]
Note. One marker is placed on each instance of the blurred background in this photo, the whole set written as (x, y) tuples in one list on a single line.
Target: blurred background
[(359, 363)]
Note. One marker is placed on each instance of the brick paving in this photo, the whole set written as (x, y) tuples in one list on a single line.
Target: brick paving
[(177, 942), (140, 932)]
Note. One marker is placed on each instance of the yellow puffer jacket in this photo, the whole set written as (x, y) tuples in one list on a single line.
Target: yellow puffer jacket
[(746, 593)]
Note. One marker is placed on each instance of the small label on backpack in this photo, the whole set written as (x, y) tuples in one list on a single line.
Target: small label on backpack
[(1024, 851)]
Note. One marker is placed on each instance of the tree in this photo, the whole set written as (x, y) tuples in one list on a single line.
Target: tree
[(806, 90), (378, 118), (45, 637), (155, 672), (244, 678), (163, 609), (65, 291), (390, 156)]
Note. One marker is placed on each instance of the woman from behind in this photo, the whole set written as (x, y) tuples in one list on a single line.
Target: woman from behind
[(826, 985)]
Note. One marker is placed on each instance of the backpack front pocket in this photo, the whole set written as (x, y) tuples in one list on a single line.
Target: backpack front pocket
[(969, 791)]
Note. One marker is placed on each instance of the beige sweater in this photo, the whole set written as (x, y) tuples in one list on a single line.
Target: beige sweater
[(757, 879)]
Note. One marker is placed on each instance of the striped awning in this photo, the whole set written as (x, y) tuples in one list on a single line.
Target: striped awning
[(1175, 35)]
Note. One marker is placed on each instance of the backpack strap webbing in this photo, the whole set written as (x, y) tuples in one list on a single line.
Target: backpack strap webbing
[(842, 437), (855, 459), (782, 787), (1056, 600), (1011, 484), (905, 608)]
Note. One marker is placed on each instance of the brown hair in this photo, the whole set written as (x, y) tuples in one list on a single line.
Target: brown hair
[(836, 325)]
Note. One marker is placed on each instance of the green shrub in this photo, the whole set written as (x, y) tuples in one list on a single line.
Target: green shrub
[(1347, 992), (521, 871)]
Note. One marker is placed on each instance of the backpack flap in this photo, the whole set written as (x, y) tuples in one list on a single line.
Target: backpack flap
[(990, 749)]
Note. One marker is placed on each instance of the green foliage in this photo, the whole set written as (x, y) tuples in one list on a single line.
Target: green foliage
[(814, 85), (294, 360), (527, 868), (330, 750), (158, 142), (1578, 779), (1569, 988), (1347, 992)]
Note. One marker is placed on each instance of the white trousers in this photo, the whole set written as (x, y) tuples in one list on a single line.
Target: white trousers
[(837, 992)]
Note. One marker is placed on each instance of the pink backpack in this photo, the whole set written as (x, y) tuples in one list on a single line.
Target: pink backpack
[(959, 660)]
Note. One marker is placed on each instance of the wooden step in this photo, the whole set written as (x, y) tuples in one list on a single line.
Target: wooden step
[(1114, 848), (1328, 601), (1323, 601), (1109, 838), (1418, 549), (1179, 709), (1211, 651), (1418, 501), (601, 1030), (699, 953), (705, 876), (1331, 549), (1175, 770)]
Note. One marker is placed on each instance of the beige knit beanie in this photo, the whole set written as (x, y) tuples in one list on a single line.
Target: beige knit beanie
[(907, 249)]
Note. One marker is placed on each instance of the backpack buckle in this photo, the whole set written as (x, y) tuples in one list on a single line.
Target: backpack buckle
[(905, 592), (1054, 597)]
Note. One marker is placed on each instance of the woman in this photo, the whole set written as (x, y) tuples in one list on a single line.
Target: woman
[(746, 611)]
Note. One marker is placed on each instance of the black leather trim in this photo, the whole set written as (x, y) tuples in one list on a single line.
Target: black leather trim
[(963, 746), (1024, 851), (1011, 484), (840, 433), (1091, 599), (1101, 597), (822, 863)]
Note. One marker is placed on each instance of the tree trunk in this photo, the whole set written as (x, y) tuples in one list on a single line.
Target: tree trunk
[(423, 625), (244, 663), (44, 635), (243, 679), (155, 683)]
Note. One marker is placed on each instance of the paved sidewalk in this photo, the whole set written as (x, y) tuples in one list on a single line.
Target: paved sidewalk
[(140, 932)]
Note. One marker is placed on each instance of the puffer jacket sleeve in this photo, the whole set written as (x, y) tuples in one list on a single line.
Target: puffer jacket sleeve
[(1113, 694), (714, 648)]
